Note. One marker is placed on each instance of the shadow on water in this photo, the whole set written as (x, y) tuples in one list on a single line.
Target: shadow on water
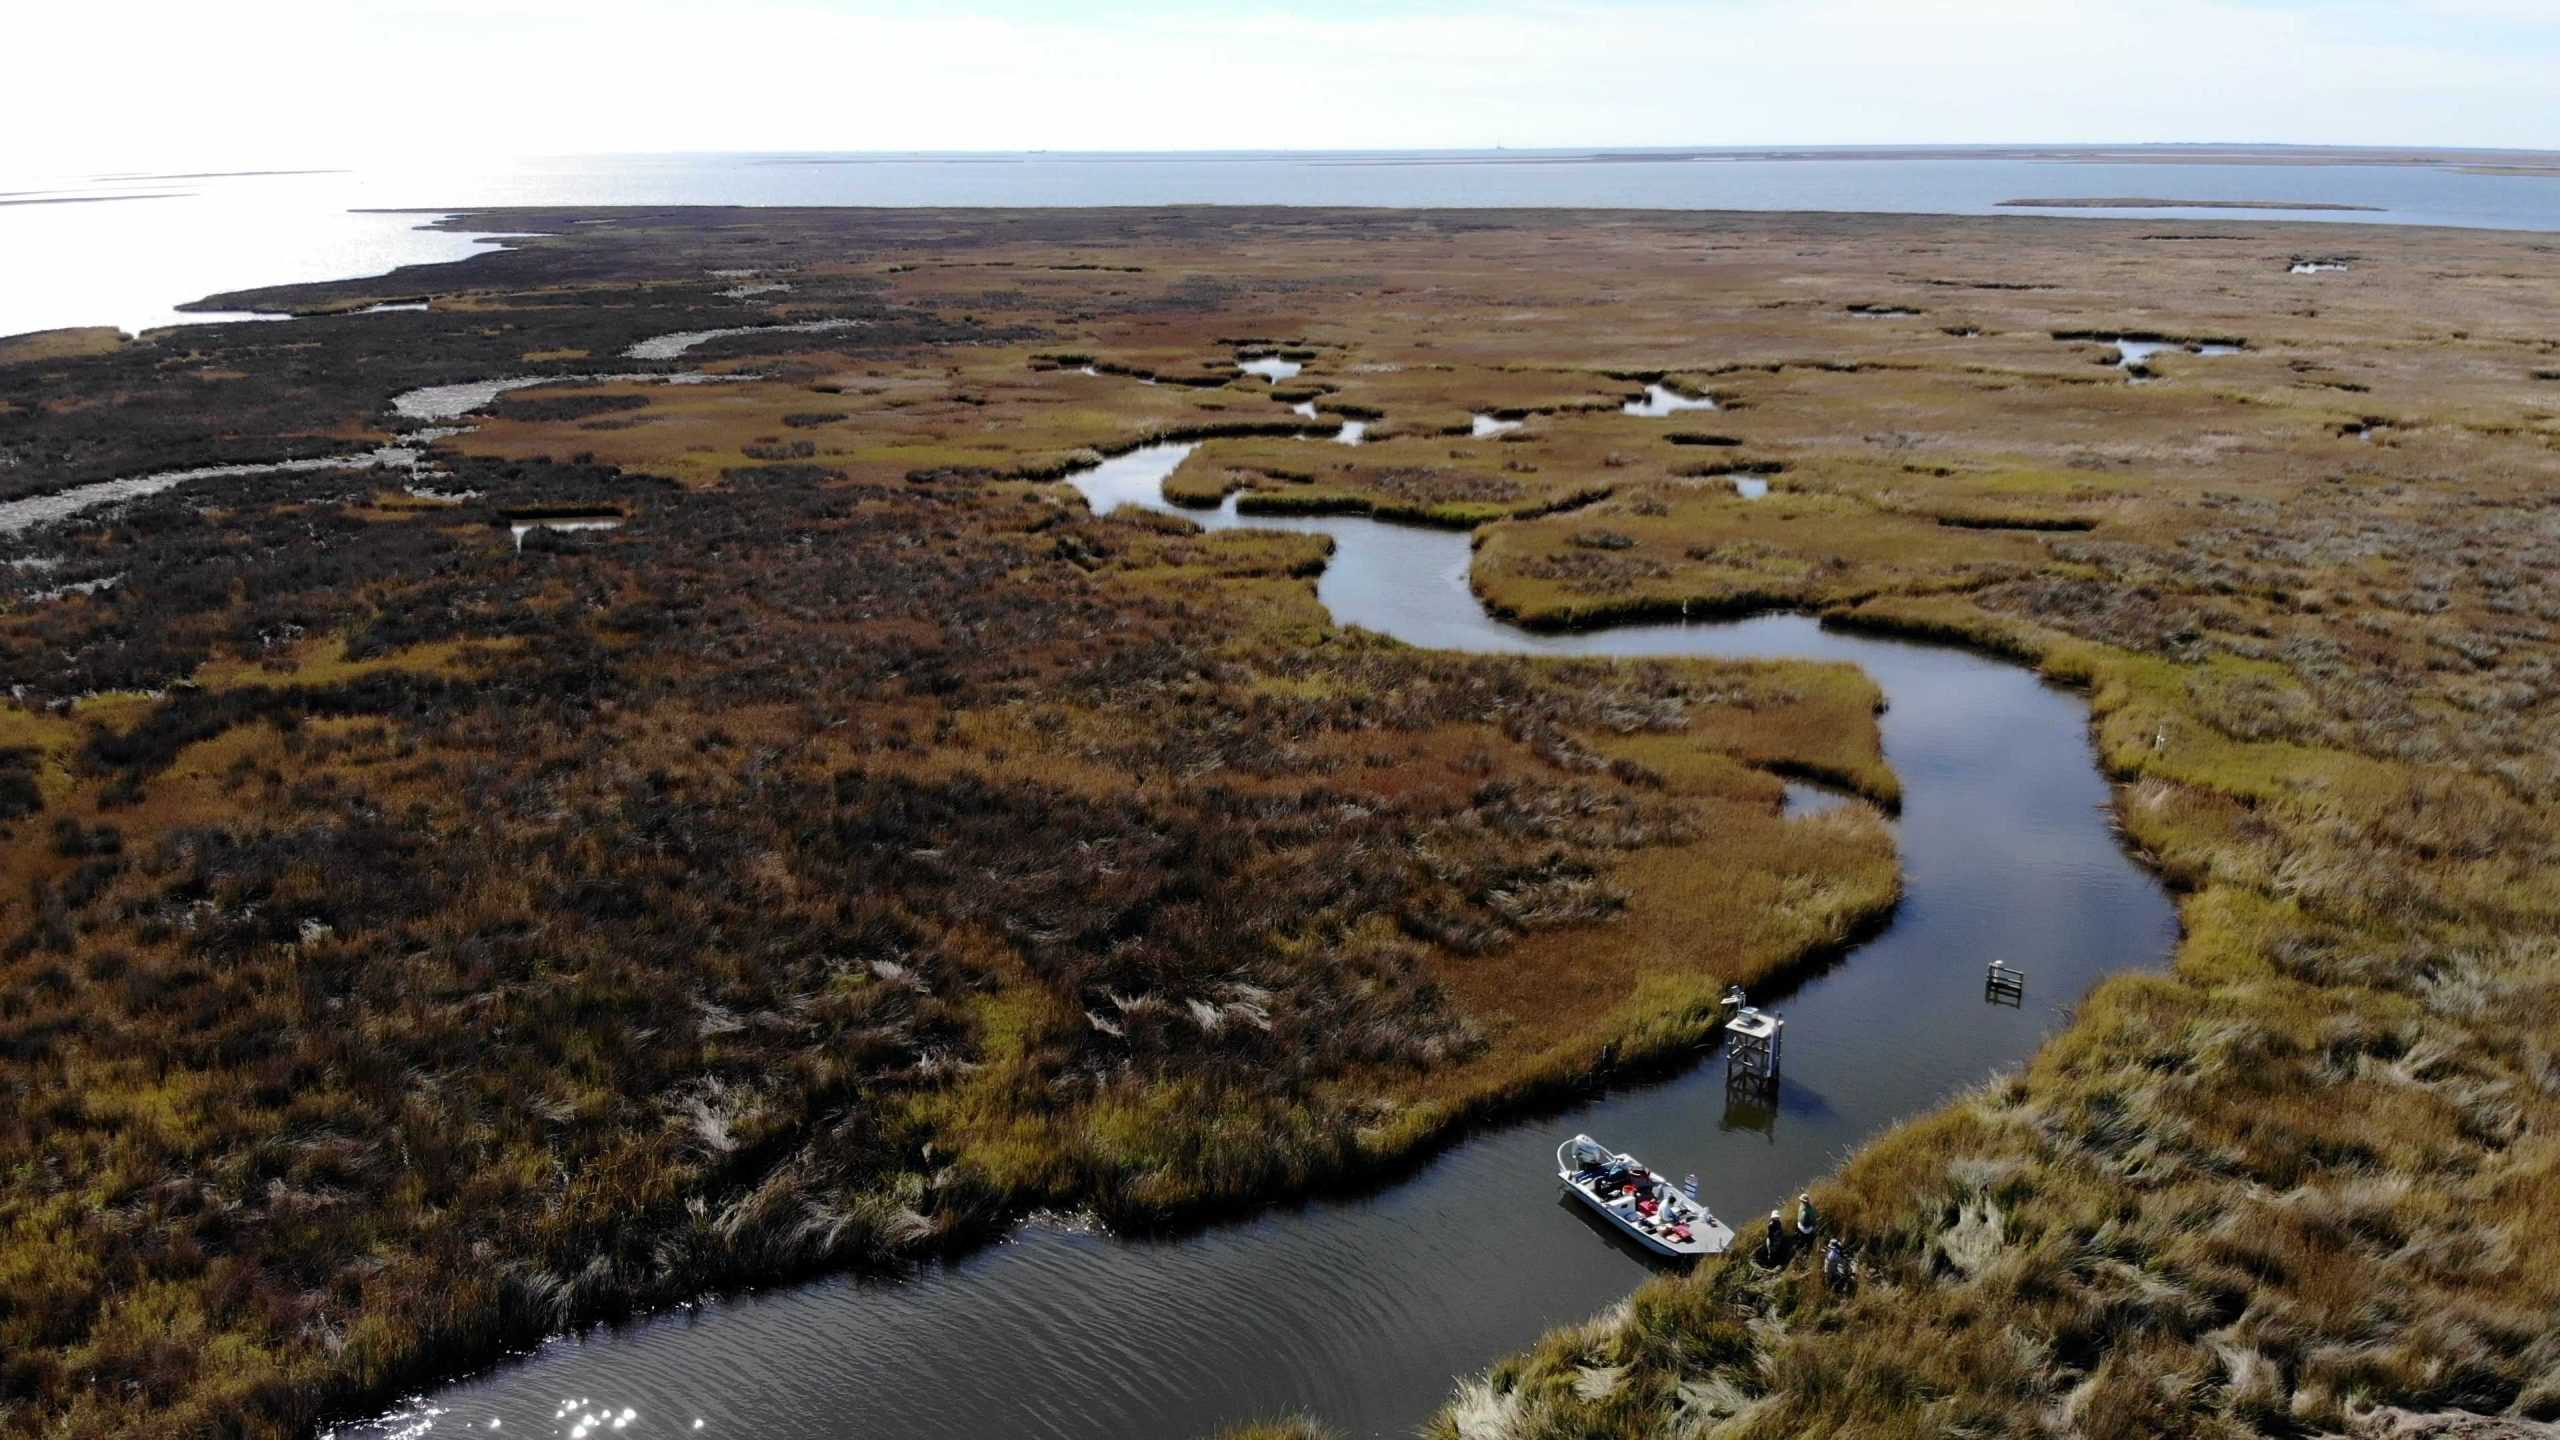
[(1361, 1308)]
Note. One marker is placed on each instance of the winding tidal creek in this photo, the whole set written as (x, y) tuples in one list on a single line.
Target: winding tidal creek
[(1363, 1311)]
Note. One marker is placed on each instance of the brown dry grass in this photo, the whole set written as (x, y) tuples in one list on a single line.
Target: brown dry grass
[(2299, 1176)]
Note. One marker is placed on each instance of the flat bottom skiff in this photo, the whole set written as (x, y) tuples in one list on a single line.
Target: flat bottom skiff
[(1649, 1209)]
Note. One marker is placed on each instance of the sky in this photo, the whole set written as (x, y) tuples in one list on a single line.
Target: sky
[(163, 84)]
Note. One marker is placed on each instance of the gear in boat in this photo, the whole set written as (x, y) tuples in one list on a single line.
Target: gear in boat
[(1650, 1209)]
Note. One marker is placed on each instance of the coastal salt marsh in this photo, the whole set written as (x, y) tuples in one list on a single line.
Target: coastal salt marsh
[(1357, 1310), (2321, 730)]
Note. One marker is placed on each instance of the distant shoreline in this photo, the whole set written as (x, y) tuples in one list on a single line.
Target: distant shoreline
[(2145, 202), (99, 199), (310, 233)]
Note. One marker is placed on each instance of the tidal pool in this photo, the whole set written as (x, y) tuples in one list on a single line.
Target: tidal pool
[(1270, 367), (1660, 400), (2134, 356), (522, 528), (1363, 1309), (1806, 799)]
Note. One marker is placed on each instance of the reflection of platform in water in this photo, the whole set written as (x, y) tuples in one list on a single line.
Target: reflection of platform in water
[(1752, 1049), (1763, 1112), (1752, 1110), (2004, 986)]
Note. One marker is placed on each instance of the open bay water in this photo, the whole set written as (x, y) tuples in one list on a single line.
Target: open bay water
[(126, 250)]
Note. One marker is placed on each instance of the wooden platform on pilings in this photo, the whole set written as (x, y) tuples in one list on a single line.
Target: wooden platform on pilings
[(2003, 985), (1754, 1049)]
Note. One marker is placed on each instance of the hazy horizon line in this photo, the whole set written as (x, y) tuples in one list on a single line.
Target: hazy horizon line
[(1667, 148)]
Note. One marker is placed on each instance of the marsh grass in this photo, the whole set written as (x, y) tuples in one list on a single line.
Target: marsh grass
[(411, 946), (2288, 1187), (2283, 1188), (428, 946)]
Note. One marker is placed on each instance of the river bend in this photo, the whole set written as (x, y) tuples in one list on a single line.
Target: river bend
[(1362, 1311)]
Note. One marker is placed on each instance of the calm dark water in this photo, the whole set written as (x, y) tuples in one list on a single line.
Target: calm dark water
[(127, 261), (1363, 1311)]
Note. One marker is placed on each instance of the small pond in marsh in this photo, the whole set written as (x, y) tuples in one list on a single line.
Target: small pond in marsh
[(1660, 400)]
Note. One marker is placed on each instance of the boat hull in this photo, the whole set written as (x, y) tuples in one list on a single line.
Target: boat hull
[(1577, 1158), (1652, 1244)]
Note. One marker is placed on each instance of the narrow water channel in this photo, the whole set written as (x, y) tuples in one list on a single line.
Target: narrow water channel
[(1362, 1311), (428, 402)]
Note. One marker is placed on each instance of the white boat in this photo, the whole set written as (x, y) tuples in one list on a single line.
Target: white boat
[(1649, 1208)]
